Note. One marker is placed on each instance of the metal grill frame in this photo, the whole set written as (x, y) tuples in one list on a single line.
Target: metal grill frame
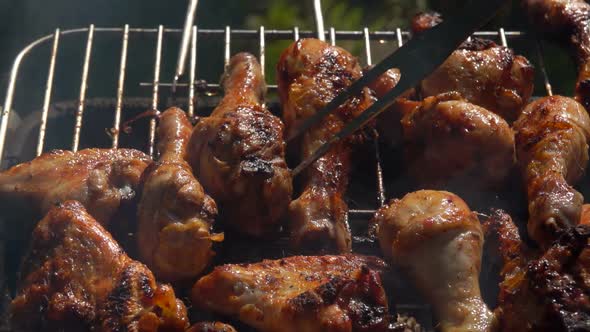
[(261, 35)]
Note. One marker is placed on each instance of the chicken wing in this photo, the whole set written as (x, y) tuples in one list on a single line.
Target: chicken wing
[(446, 137), (546, 293), (552, 151), (567, 20), (484, 73), (174, 216), (437, 240), (239, 153), (77, 278), (299, 293), (310, 74), (103, 180)]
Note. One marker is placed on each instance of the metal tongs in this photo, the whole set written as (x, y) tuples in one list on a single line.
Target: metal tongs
[(415, 60)]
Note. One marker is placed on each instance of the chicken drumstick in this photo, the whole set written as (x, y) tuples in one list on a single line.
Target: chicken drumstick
[(552, 150), (436, 238), (310, 74), (238, 152), (174, 215)]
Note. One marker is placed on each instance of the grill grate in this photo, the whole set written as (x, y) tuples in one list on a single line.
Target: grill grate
[(261, 35), (192, 84)]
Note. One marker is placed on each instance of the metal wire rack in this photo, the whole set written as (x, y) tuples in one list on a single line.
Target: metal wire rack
[(190, 86), (261, 36)]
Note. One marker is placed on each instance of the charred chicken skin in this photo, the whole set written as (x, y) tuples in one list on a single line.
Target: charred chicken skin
[(569, 18), (101, 179), (299, 293), (175, 215), (310, 74), (546, 293), (484, 73), (447, 137), (76, 278), (437, 240), (239, 153), (552, 151)]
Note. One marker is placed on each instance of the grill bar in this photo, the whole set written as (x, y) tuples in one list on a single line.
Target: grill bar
[(539, 51), (120, 87), (48, 89), (332, 37), (368, 57), (319, 20), (83, 86), (227, 46), (262, 45), (152, 132), (193, 72), (186, 38)]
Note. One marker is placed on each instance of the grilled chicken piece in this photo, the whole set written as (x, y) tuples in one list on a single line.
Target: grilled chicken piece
[(546, 293), (299, 293), (388, 123), (211, 327), (175, 215), (552, 151), (239, 153), (77, 278), (101, 179), (310, 74), (446, 137), (485, 74), (567, 20), (437, 240)]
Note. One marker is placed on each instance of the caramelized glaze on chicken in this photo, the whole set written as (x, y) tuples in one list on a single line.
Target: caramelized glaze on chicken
[(310, 74), (552, 152), (546, 293), (76, 278), (174, 216), (238, 153), (484, 73), (437, 240), (446, 137), (101, 179), (567, 20), (299, 293)]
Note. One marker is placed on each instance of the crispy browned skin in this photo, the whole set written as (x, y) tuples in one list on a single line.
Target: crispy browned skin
[(437, 240), (568, 21), (77, 278), (484, 73), (299, 293), (310, 74), (238, 152), (211, 327), (174, 216), (552, 152), (546, 293), (446, 137), (101, 179)]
